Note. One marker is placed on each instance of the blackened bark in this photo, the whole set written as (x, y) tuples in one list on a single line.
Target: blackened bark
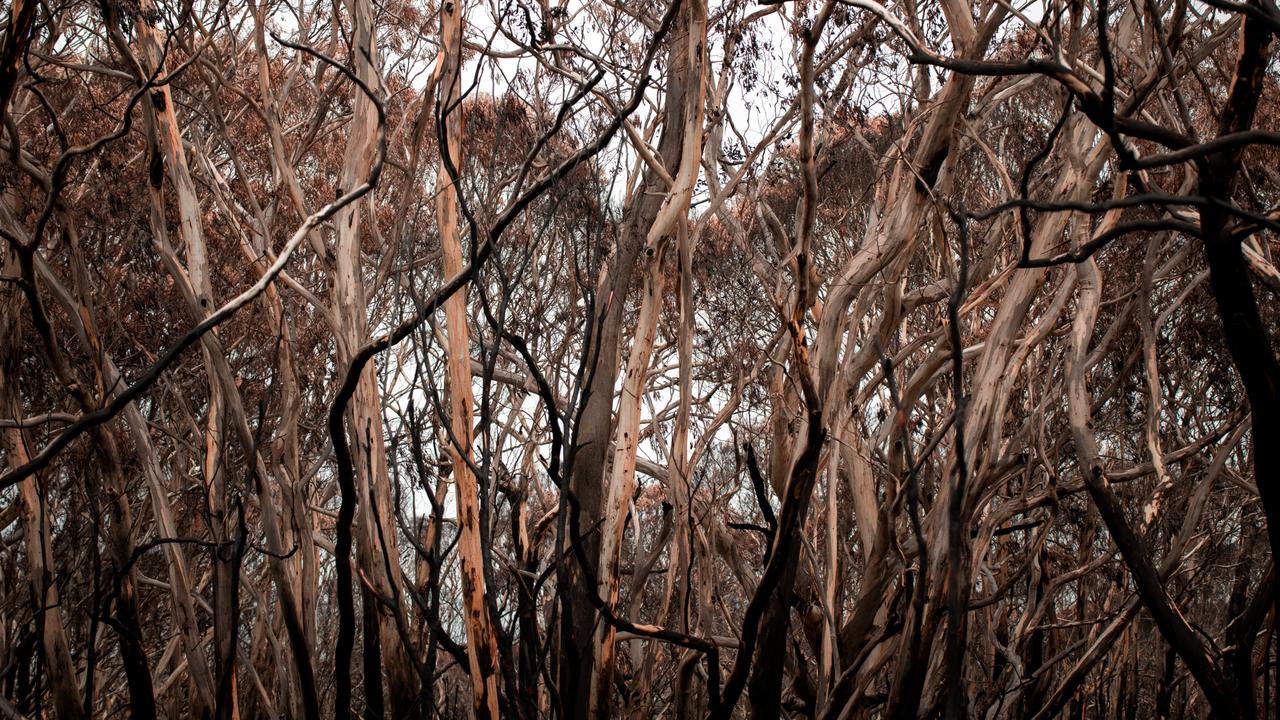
[(1247, 338), (1164, 697), (133, 655), (371, 657), (764, 689)]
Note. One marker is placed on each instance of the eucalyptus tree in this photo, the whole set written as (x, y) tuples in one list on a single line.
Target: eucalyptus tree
[(825, 359)]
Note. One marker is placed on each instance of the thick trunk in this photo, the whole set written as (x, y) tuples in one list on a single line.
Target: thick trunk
[(1248, 338), (595, 430), (482, 643), (764, 690), (622, 478), (586, 481), (376, 536), (685, 88)]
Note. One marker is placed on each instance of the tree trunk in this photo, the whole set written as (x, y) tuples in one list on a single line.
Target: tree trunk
[(482, 646)]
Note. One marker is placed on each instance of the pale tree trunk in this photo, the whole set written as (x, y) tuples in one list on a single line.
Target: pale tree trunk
[(282, 165), (686, 87), (593, 433), (681, 500), (992, 381), (377, 527), (893, 232), (900, 208), (622, 478), (482, 646), (829, 667), (1151, 371)]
